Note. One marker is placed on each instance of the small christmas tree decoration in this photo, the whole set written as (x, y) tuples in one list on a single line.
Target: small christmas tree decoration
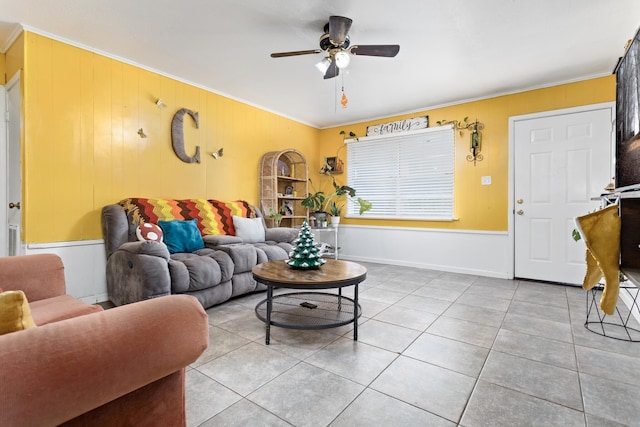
[(305, 254)]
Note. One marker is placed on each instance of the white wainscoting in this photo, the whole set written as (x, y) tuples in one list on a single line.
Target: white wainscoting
[(482, 253), (84, 267), (469, 252)]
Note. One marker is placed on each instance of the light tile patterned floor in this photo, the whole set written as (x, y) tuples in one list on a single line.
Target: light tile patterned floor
[(434, 349)]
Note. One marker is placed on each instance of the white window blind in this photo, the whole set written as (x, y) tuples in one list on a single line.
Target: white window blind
[(404, 176)]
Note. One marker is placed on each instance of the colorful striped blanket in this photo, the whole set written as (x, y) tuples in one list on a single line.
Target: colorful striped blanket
[(214, 217)]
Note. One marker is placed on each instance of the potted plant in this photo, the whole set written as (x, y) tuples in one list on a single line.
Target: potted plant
[(344, 193), (314, 202), (275, 217), (318, 203), (335, 210)]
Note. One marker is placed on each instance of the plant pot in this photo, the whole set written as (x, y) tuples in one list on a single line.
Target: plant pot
[(335, 221), (320, 217)]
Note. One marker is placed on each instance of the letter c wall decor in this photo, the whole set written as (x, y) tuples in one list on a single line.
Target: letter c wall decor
[(177, 135)]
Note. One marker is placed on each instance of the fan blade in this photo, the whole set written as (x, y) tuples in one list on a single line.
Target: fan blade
[(295, 53), (332, 71), (387, 50), (338, 29)]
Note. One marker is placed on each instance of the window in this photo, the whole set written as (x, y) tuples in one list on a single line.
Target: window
[(404, 176)]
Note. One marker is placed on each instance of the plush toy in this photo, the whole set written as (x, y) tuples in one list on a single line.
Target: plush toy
[(601, 233), (149, 231)]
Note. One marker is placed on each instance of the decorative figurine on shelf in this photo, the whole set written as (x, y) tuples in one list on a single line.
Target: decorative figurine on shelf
[(305, 254)]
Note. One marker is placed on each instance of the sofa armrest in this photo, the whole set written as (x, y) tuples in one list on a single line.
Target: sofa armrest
[(54, 373), (281, 234), (39, 276), (148, 247), (138, 271), (115, 228)]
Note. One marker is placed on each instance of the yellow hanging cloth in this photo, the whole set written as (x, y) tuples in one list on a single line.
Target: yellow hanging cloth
[(601, 233)]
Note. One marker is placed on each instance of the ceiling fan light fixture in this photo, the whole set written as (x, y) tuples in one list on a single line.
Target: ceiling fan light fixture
[(342, 59), (335, 43), (323, 65)]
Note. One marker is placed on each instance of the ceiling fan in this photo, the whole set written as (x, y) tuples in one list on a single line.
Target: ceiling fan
[(335, 42)]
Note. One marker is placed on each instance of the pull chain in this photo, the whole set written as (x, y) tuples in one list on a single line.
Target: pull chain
[(344, 101)]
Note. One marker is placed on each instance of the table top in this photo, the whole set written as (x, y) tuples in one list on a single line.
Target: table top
[(333, 274)]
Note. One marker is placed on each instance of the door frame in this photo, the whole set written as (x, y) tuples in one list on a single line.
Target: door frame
[(12, 84), (511, 187), (4, 182)]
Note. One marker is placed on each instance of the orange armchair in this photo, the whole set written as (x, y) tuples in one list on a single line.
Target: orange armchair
[(123, 366)]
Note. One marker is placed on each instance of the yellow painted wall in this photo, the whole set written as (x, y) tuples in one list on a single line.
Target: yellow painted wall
[(3, 68), (480, 207), (14, 57), (82, 150)]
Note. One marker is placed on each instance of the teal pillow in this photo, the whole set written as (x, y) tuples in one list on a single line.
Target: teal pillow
[(181, 236)]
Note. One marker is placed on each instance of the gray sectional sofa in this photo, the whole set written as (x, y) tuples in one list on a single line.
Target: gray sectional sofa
[(142, 269)]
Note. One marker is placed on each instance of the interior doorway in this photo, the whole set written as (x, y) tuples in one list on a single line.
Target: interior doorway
[(13, 201), (562, 161), (4, 244)]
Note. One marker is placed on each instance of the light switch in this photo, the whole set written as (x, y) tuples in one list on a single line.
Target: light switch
[(486, 180)]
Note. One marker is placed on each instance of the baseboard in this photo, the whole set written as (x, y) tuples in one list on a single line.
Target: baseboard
[(444, 268)]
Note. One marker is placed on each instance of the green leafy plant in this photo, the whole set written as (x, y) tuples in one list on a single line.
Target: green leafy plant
[(275, 216), (313, 201), (350, 134), (335, 209), (346, 194), (319, 202)]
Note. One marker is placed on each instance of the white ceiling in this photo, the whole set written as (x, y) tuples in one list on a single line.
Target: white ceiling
[(450, 51)]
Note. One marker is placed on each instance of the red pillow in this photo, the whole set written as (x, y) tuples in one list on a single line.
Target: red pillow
[(149, 231)]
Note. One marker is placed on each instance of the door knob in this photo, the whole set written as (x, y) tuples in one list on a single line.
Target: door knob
[(14, 205), (520, 212), (519, 201)]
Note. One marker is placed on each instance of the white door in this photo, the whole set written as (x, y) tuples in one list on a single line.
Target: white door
[(14, 168), (561, 162)]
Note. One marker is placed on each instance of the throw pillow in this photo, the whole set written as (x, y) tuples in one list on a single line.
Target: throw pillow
[(181, 236), (15, 314), (250, 230), (149, 231)]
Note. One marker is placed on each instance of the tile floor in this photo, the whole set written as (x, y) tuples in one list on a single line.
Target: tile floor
[(434, 349)]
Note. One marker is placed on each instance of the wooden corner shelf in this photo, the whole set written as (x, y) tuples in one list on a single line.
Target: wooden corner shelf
[(284, 183)]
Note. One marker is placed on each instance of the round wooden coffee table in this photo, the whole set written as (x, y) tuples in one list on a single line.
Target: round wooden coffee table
[(309, 310)]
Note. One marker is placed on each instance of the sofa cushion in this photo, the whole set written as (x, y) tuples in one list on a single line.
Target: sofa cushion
[(281, 234), (205, 268), (149, 231), (250, 230), (181, 236), (59, 308), (274, 252), (215, 241), (243, 256), (15, 314)]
